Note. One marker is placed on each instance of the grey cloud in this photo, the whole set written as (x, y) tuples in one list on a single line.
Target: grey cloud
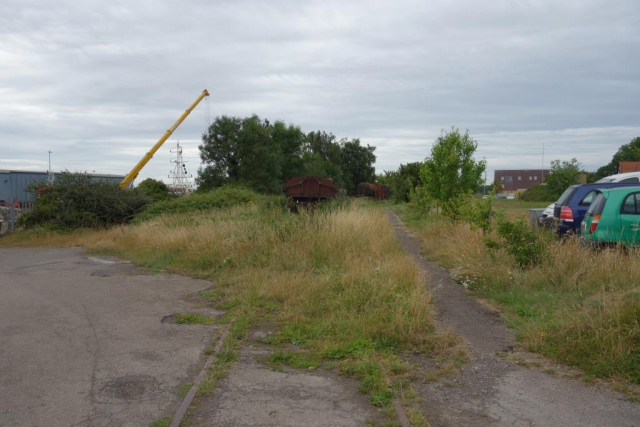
[(98, 83)]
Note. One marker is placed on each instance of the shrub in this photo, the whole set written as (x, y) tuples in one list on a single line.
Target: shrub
[(420, 200), (155, 190), (537, 193), (74, 200), (478, 213), (519, 240), (222, 197)]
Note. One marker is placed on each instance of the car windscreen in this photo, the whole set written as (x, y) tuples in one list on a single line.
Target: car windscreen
[(605, 180), (597, 206), (566, 196)]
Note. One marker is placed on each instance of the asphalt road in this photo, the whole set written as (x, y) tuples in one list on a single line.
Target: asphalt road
[(82, 342)]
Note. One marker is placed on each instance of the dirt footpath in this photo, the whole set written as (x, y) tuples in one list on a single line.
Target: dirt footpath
[(491, 389), (82, 341)]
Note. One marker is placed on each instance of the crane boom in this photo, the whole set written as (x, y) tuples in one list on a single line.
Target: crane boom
[(136, 170)]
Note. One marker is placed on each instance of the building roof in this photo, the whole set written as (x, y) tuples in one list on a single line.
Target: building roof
[(101, 175)]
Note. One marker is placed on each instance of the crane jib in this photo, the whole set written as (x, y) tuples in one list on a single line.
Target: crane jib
[(134, 172)]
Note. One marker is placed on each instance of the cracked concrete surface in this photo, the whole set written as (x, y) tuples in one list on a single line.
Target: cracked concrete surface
[(82, 342), (253, 395), (492, 391)]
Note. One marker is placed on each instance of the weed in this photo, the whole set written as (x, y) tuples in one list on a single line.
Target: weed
[(184, 389), (193, 319), (165, 422), (298, 360)]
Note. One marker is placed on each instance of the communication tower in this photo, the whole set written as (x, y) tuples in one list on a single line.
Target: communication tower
[(180, 179)]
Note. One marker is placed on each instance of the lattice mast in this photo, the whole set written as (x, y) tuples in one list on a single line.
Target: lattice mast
[(180, 180)]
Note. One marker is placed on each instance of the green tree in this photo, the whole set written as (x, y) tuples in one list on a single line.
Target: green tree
[(356, 163), (260, 165), (562, 175), (242, 151), (219, 153), (626, 153), (322, 156), (402, 181), (291, 141), (451, 172), (154, 189), (495, 188)]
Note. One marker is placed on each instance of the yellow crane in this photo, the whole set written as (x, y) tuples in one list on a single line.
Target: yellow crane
[(136, 170)]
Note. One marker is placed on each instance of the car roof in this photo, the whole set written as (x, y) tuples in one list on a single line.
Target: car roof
[(617, 177), (630, 189)]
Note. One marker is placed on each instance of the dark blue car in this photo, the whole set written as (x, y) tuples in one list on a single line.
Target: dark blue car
[(573, 204)]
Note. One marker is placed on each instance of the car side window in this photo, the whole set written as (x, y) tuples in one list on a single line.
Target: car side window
[(633, 180), (586, 200), (630, 206)]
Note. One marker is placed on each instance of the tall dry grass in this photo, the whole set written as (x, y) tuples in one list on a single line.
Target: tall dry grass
[(579, 306), (336, 280), (338, 273)]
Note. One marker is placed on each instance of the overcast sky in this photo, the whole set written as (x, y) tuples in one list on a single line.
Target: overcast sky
[(98, 83)]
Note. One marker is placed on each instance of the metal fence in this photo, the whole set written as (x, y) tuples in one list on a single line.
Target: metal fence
[(9, 216)]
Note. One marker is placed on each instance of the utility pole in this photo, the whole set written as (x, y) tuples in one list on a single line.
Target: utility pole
[(180, 183), (484, 187), (542, 170), (50, 175)]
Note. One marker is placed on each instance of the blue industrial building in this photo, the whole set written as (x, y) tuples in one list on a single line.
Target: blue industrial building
[(13, 183)]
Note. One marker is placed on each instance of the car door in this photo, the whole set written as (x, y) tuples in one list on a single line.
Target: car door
[(630, 219), (583, 206)]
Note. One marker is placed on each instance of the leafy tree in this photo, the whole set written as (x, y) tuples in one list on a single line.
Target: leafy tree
[(357, 164), (322, 156), (291, 141), (261, 155), (402, 181), (241, 151), (421, 199), (562, 175), (260, 164), (495, 188), (154, 189), (626, 153), (219, 153), (451, 172)]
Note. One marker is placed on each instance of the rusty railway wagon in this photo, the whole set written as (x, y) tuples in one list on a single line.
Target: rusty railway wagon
[(373, 190), (308, 190)]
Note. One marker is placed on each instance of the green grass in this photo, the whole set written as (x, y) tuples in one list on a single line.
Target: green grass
[(578, 306), (193, 319), (165, 422), (184, 390)]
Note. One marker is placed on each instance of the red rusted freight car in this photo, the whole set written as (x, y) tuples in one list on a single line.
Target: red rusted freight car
[(306, 190), (375, 190)]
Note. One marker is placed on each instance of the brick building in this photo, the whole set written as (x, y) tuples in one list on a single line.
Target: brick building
[(519, 179), (629, 167)]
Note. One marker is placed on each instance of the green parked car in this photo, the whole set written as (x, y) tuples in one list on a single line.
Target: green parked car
[(613, 218)]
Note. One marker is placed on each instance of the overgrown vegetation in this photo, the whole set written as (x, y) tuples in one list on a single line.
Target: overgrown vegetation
[(223, 197), (537, 193), (451, 173), (403, 181), (341, 292), (575, 305), (75, 200), (156, 190)]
